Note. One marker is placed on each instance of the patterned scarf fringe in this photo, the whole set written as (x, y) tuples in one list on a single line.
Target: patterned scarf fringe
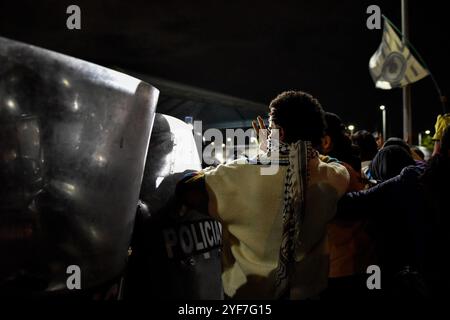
[(295, 184)]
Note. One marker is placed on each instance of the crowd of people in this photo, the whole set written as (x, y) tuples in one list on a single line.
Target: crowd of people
[(339, 204)]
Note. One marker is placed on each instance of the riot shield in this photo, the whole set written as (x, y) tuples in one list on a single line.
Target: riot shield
[(176, 252), (73, 144)]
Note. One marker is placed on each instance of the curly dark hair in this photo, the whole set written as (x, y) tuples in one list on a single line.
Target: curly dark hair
[(300, 115)]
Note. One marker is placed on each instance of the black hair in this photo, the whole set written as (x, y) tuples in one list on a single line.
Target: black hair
[(397, 142), (367, 144), (342, 148), (389, 162), (300, 115)]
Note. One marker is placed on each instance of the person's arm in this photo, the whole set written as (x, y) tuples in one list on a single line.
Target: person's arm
[(367, 203), (437, 147), (356, 182), (191, 192), (442, 122)]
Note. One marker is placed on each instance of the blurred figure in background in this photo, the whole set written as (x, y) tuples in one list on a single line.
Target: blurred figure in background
[(419, 153), (442, 122), (409, 218), (351, 249), (401, 143), (337, 144), (389, 162), (367, 147), (379, 139)]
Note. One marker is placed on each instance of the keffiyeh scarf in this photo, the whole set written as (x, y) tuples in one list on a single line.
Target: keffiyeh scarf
[(296, 156)]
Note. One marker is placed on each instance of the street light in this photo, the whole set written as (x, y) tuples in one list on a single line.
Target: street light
[(351, 128), (383, 114), (427, 132)]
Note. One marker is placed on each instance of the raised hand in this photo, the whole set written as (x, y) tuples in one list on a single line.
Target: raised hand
[(261, 133)]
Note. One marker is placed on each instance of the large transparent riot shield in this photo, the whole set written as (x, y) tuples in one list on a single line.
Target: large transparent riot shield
[(176, 252), (73, 144)]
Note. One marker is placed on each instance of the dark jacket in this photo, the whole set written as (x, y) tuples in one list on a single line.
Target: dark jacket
[(401, 221)]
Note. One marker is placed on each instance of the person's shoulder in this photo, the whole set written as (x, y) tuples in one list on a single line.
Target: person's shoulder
[(412, 173), (334, 168), (333, 165), (189, 180), (224, 167), (334, 174)]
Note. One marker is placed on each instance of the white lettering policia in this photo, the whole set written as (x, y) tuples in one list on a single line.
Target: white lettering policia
[(193, 238)]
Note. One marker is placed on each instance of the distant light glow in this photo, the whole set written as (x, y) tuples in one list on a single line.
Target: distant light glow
[(10, 156), (11, 104), (427, 132), (100, 159), (69, 187), (351, 127), (385, 85), (65, 187), (382, 108), (66, 82)]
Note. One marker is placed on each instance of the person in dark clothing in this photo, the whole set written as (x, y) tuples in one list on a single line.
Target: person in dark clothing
[(401, 143), (367, 145), (389, 162), (397, 142), (351, 249), (368, 149), (408, 216), (336, 144)]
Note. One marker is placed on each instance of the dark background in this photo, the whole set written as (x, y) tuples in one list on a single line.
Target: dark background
[(249, 49)]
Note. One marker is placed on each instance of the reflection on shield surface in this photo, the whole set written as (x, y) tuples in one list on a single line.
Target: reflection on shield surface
[(73, 143)]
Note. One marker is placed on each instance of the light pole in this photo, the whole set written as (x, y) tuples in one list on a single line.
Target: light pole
[(383, 114), (407, 117)]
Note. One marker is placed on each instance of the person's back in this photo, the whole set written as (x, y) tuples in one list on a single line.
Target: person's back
[(274, 221), (250, 206)]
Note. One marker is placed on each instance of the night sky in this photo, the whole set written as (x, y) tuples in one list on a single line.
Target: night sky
[(249, 49)]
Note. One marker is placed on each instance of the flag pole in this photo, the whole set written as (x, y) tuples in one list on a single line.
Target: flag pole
[(407, 113)]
